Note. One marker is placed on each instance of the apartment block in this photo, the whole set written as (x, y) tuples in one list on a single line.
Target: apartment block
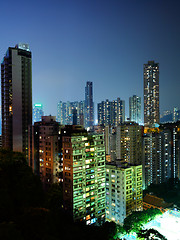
[(83, 175), (123, 190)]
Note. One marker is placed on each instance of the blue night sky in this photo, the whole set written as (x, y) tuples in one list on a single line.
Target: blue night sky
[(106, 42)]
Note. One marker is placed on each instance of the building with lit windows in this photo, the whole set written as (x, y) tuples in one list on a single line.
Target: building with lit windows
[(135, 109), (16, 97), (175, 114), (161, 154), (45, 150), (89, 106), (129, 142), (37, 112), (123, 190), (151, 94), (83, 175), (111, 112), (65, 112)]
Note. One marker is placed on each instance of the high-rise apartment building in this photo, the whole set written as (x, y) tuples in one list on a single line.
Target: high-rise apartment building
[(45, 150), (175, 114), (111, 112), (161, 154), (89, 105), (37, 112), (135, 109), (66, 110), (129, 143), (16, 97), (151, 93), (123, 190), (83, 175), (153, 159)]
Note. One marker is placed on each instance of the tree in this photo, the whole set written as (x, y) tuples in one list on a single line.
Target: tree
[(135, 221), (150, 234), (19, 187)]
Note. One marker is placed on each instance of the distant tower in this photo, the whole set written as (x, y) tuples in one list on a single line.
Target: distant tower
[(175, 114), (151, 93), (16, 97), (89, 105), (37, 112), (135, 109)]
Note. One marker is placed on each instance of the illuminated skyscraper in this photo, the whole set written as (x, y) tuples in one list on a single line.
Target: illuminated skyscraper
[(129, 143), (135, 109), (65, 112), (37, 112), (45, 149), (151, 93), (16, 97), (89, 105), (175, 114), (83, 175), (123, 190), (111, 112)]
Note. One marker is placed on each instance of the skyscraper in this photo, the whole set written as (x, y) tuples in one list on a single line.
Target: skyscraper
[(16, 97), (89, 105), (37, 112), (65, 112), (151, 93), (135, 109), (83, 174), (111, 112), (44, 150), (123, 190), (129, 142)]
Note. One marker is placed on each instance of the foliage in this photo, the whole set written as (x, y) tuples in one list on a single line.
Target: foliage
[(54, 197), (169, 191), (110, 229), (27, 212), (135, 221), (19, 187), (150, 234)]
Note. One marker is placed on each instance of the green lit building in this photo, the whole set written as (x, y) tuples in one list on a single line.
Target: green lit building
[(123, 190), (83, 175)]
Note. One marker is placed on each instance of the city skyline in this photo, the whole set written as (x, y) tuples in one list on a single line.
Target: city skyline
[(99, 41)]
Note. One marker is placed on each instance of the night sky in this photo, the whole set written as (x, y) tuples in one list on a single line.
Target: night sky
[(106, 42)]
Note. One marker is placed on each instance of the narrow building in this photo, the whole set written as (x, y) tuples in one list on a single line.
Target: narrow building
[(83, 175), (123, 190)]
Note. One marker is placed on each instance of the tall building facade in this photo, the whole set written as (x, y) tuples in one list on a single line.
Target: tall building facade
[(135, 109), (129, 143), (89, 105), (37, 112), (123, 190), (66, 110), (161, 154), (111, 112), (83, 175), (175, 114), (45, 150), (16, 97), (151, 93)]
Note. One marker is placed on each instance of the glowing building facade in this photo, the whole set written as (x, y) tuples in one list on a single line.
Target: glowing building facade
[(111, 112), (83, 175), (45, 150), (151, 94), (89, 105), (129, 142), (135, 109), (123, 190), (37, 112), (66, 110)]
